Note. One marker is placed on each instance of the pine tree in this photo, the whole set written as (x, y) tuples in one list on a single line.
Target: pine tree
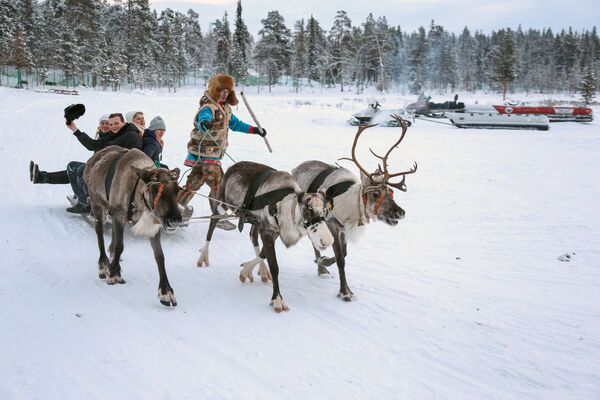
[(241, 46), (168, 39), (194, 41), (340, 40), (141, 43), (7, 28), (223, 45), (298, 63), (315, 45), (465, 63), (272, 52), (588, 86), (21, 57), (418, 61), (503, 54)]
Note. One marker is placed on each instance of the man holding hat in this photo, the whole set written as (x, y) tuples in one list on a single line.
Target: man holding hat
[(74, 173), (121, 134)]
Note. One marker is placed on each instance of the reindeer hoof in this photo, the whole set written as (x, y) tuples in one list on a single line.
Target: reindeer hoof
[(279, 305), (203, 259), (167, 298), (102, 271), (111, 280), (244, 276), (348, 296), (325, 261), (324, 273)]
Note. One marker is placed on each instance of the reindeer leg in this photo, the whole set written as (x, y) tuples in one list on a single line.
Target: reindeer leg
[(118, 226), (166, 294), (103, 259), (203, 259), (248, 267), (323, 262), (268, 240), (339, 249)]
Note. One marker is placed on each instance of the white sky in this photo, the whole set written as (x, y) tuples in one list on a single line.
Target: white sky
[(484, 15)]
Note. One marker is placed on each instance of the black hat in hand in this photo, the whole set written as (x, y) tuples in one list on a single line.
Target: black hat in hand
[(73, 112)]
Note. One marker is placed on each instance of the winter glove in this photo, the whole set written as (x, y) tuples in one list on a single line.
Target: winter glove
[(206, 125), (259, 131)]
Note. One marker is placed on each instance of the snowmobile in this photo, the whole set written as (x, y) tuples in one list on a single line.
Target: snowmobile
[(375, 114), (425, 107), (554, 114)]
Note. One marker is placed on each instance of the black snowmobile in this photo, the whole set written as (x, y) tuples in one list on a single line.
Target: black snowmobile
[(425, 107), (375, 114)]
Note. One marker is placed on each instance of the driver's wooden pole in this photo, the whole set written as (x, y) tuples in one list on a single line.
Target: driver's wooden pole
[(255, 120)]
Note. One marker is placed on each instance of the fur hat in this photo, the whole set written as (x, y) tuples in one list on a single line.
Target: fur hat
[(157, 123), (74, 111), (222, 81)]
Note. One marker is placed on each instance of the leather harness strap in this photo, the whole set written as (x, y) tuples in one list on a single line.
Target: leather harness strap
[(131, 205), (332, 191), (111, 174), (319, 179), (252, 203)]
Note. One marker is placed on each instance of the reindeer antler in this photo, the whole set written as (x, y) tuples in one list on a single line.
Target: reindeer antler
[(386, 174), (400, 185), (353, 159)]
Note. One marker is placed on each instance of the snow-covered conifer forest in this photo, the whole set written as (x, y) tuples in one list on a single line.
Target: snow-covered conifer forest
[(127, 44)]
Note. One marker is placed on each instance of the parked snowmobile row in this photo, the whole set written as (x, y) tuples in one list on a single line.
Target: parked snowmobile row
[(507, 116)]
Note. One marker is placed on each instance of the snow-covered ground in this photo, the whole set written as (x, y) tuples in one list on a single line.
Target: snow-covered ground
[(464, 299)]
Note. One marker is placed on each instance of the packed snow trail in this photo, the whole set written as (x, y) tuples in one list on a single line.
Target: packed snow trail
[(464, 299)]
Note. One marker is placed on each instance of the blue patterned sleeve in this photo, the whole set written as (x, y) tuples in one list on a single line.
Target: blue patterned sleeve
[(204, 115), (237, 125)]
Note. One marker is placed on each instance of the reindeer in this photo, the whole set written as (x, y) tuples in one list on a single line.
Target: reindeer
[(353, 202), (276, 207), (126, 184)]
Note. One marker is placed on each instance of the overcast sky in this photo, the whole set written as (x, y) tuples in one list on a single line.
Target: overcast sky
[(486, 15)]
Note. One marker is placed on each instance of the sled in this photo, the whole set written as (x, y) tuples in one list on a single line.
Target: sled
[(494, 120)]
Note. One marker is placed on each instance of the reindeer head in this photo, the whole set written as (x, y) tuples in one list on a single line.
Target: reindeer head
[(377, 192), (160, 194), (314, 211)]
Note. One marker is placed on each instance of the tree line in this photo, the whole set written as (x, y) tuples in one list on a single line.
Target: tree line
[(127, 44)]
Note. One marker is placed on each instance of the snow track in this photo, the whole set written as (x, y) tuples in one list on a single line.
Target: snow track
[(464, 299)]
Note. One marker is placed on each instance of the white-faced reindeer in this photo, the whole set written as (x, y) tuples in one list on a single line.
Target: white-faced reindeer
[(353, 202), (127, 185), (276, 207)]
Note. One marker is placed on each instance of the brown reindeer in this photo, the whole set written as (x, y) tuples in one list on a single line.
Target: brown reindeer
[(273, 203), (126, 185), (353, 202)]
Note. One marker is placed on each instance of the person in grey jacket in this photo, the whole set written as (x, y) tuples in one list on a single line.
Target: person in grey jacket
[(152, 141)]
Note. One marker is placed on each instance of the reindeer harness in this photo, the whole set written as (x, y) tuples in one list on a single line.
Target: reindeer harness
[(131, 204)]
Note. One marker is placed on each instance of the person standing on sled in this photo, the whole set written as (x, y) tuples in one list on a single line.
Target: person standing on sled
[(208, 140)]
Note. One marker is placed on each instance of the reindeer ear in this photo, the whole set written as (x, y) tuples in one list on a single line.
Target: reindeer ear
[(174, 173), (145, 174)]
